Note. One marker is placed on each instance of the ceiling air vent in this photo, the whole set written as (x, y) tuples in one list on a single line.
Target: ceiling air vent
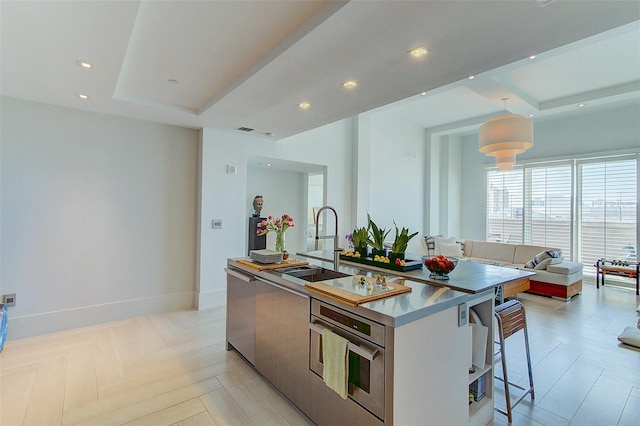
[(544, 2), (245, 129)]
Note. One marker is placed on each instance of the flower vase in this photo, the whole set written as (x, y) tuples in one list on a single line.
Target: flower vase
[(280, 241)]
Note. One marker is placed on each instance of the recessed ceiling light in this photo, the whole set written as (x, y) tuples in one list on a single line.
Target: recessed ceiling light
[(532, 57), (423, 93), (304, 105), (419, 52), (82, 96), (531, 115), (268, 164), (542, 3), (471, 77), (84, 64), (349, 84), (174, 81), (581, 105)]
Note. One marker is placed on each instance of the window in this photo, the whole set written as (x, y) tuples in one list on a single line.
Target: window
[(504, 206), (587, 208), (549, 207), (608, 198)]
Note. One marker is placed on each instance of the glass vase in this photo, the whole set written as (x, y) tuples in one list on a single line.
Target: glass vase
[(280, 241)]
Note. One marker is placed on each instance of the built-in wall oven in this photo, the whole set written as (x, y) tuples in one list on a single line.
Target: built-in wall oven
[(366, 353)]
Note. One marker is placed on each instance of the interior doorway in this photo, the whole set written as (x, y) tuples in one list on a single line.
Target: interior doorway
[(315, 200), (287, 187)]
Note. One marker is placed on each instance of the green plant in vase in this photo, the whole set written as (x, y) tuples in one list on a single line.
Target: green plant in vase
[(399, 246), (377, 235), (360, 237)]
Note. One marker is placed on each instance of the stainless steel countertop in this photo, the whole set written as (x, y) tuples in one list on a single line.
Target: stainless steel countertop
[(469, 277), (395, 311)]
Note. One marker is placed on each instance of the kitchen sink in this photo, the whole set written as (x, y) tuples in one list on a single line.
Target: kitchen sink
[(315, 274)]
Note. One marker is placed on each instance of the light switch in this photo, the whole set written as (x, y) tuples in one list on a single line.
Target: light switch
[(216, 224), (462, 315)]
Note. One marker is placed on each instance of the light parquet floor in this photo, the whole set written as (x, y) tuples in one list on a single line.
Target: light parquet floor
[(172, 369), (166, 369)]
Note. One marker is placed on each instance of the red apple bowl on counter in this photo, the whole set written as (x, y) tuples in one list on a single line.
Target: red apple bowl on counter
[(440, 266)]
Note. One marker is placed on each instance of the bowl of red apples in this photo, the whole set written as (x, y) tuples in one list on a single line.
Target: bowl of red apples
[(440, 266)]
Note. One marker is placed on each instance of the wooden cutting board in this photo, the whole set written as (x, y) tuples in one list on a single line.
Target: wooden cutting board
[(355, 299), (269, 266)]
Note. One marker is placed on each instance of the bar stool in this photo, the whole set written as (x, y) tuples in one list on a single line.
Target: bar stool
[(511, 319)]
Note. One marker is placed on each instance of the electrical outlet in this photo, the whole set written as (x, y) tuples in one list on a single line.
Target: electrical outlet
[(9, 299)]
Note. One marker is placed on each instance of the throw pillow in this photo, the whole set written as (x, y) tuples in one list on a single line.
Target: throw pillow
[(451, 250), (430, 242), (442, 240), (542, 265), (630, 336), (549, 261), (547, 254)]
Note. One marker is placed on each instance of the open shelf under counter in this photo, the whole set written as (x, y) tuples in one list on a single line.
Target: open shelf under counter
[(480, 410), (479, 372)]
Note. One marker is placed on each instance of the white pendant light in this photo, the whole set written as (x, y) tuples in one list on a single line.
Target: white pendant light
[(505, 136)]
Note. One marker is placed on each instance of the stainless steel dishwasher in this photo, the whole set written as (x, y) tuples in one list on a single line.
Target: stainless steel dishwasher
[(241, 313), (282, 340)]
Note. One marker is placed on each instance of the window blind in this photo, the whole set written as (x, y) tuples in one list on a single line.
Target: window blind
[(504, 206), (608, 197), (587, 208), (548, 204)]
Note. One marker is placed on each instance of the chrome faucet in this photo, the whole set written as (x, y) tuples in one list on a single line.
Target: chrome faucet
[(336, 239)]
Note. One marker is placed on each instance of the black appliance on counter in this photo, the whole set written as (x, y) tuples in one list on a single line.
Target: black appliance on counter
[(256, 242)]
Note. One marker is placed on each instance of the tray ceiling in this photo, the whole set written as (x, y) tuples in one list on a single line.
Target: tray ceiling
[(231, 64)]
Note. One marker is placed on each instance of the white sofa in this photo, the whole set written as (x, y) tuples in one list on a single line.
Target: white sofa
[(562, 280)]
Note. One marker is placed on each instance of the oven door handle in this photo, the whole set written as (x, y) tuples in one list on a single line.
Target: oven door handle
[(360, 350)]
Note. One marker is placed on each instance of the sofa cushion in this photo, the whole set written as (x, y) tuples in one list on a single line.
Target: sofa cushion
[(500, 252), (565, 268), (524, 252), (467, 247), (543, 255)]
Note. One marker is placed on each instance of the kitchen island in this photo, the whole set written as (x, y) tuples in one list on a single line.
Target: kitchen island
[(469, 277), (409, 355)]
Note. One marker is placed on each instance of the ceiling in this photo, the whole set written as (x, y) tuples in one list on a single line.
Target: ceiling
[(232, 64)]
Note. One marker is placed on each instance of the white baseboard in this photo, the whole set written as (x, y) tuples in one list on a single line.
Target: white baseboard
[(211, 299), (48, 322)]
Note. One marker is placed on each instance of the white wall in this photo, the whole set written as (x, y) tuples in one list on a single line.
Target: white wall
[(397, 151), (98, 216), (594, 132), (224, 196), (284, 192)]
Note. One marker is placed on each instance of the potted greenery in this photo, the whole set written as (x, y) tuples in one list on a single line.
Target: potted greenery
[(377, 238), (360, 237), (399, 246)]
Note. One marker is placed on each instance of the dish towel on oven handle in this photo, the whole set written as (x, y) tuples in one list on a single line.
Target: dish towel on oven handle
[(334, 362)]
